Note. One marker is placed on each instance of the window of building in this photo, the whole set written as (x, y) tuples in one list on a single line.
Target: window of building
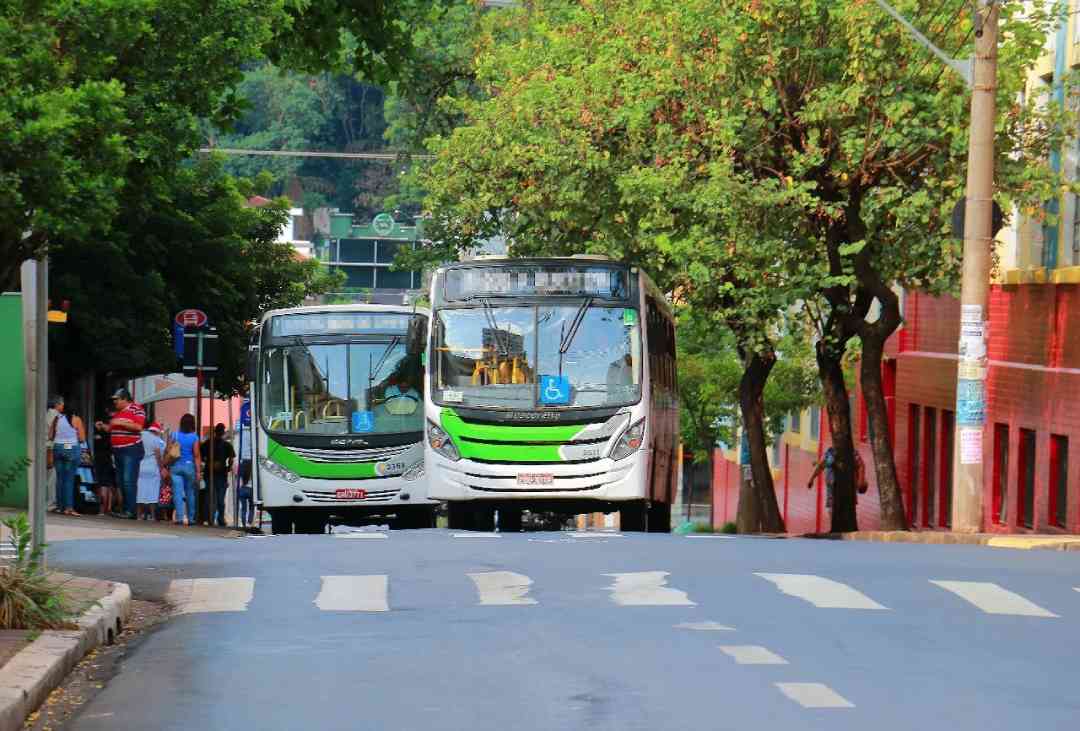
[(948, 434), (796, 422), (1001, 473), (1026, 474), (914, 461), (363, 277), (929, 473), (356, 251), (815, 422), (1059, 480), (387, 279)]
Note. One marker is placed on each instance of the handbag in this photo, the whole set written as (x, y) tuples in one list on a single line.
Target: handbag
[(172, 452)]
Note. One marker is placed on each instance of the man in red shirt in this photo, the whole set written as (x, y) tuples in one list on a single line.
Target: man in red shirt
[(125, 437)]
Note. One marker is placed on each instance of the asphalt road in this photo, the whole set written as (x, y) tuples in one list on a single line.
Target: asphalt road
[(435, 630)]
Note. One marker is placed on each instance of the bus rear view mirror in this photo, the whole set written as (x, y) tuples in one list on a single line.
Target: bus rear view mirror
[(252, 367), (416, 336)]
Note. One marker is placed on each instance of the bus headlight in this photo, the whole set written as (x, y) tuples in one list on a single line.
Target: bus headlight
[(441, 442), (278, 471), (630, 441), (414, 473)]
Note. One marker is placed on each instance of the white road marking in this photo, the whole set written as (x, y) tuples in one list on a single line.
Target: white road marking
[(705, 626), (353, 594), (503, 588), (583, 534), (195, 596), (814, 695), (478, 535), (821, 592), (646, 589), (752, 655), (708, 535), (993, 599), (360, 535)]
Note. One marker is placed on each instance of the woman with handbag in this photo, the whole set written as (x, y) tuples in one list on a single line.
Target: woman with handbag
[(66, 435), (184, 468)]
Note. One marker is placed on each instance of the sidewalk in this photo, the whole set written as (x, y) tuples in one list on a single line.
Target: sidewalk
[(1050, 542), (84, 527)]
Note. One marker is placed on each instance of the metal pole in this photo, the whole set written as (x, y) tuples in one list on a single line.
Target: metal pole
[(967, 498), (35, 290), (211, 476)]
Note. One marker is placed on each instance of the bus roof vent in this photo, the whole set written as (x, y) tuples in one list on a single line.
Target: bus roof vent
[(594, 257)]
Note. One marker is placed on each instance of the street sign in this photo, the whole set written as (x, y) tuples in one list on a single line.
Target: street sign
[(191, 318), (958, 211), (383, 224), (200, 351)]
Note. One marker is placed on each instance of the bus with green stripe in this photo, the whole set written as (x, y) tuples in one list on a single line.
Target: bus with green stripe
[(551, 388), (337, 399)]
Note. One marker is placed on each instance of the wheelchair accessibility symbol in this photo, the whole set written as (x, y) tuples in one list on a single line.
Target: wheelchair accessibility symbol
[(554, 390)]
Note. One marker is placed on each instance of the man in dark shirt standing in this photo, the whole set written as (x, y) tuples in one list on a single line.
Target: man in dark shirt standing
[(217, 481)]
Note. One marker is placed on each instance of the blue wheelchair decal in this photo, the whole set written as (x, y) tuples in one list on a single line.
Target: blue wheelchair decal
[(554, 390), (363, 421)]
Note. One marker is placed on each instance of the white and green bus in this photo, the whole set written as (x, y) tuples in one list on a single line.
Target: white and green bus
[(551, 387), (337, 399)]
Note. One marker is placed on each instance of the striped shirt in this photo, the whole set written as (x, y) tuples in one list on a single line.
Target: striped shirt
[(120, 438)]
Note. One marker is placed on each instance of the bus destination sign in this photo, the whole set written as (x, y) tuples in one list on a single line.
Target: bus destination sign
[(536, 280)]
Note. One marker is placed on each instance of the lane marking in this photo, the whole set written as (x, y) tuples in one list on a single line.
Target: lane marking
[(814, 695), (821, 592), (503, 588), (752, 655), (353, 594), (705, 626), (583, 534), (198, 596), (478, 535), (646, 589), (993, 599), (707, 535), (360, 535)]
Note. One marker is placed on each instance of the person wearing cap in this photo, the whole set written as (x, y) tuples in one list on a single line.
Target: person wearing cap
[(125, 437), (150, 468)]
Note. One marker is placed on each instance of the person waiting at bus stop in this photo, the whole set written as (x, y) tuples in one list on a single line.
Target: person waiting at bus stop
[(125, 436), (217, 480)]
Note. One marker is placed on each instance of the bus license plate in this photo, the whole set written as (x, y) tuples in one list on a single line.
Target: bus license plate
[(351, 493), (535, 478)]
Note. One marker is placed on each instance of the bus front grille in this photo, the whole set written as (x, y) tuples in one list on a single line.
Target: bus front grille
[(373, 496), (337, 456)]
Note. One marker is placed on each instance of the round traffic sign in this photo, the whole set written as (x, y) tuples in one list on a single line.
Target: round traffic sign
[(383, 224), (191, 318)]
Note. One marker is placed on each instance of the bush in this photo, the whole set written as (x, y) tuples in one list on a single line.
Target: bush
[(703, 528), (729, 527), (30, 598)]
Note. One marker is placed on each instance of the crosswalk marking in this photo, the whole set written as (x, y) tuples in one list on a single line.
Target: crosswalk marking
[(503, 588), (368, 536), (585, 534), (752, 655), (478, 535), (821, 592), (814, 695), (992, 598), (196, 596), (705, 626), (353, 594), (646, 589)]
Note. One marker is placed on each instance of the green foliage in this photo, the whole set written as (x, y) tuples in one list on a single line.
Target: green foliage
[(703, 528), (30, 597), (729, 528), (11, 473)]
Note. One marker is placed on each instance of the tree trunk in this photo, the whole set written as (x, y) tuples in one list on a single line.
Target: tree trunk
[(831, 371), (893, 516), (751, 402)]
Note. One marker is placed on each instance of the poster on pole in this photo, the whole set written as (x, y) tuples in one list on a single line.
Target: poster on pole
[(971, 446)]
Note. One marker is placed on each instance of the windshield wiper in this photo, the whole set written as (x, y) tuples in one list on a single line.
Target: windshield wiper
[(503, 344), (385, 355), (575, 325)]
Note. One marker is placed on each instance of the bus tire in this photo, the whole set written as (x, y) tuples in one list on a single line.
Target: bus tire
[(281, 522), (311, 524), (634, 517), (659, 518)]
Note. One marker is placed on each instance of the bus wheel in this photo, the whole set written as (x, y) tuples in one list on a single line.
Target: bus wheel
[(659, 518), (311, 524), (633, 517), (510, 520), (281, 522)]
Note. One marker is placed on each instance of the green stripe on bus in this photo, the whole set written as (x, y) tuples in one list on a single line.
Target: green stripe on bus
[(458, 429), (293, 462)]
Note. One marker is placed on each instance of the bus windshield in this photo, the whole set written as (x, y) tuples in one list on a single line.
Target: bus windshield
[(576, 354), (343, 388)]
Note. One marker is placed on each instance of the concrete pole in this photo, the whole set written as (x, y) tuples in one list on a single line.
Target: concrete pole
[(35, 292), (968, 483)]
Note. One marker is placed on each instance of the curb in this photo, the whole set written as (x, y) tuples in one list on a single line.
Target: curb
[(939, 538), (40, 667)]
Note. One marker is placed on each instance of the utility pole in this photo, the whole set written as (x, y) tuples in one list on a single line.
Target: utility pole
[(35, 293), (967, 494)]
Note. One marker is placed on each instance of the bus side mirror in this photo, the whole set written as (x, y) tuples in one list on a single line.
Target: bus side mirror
[(416, 336), (252, 368)]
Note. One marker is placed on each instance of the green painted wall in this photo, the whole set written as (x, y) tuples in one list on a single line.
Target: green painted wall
[(12, 397)]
